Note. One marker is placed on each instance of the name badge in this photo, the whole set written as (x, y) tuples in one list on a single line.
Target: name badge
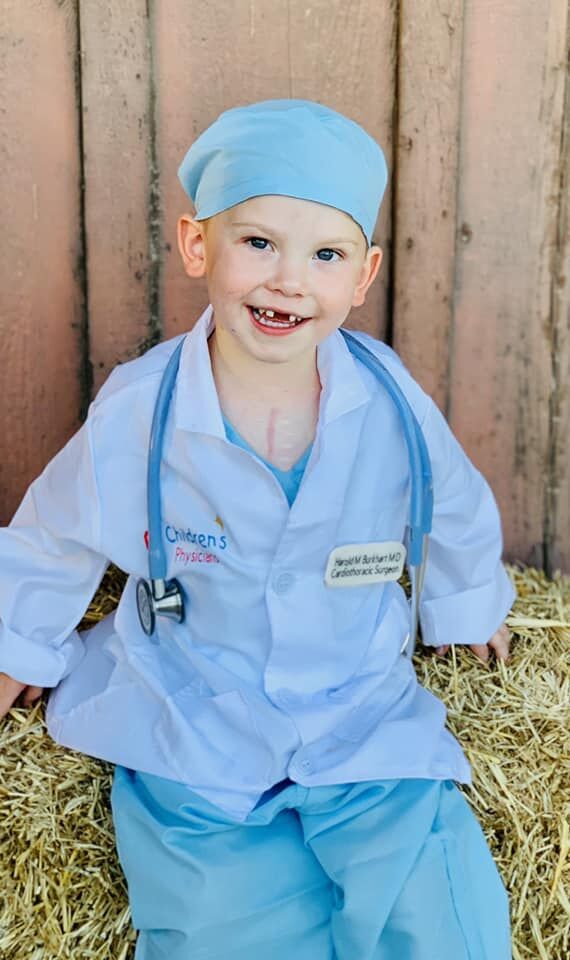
[(358, 564)]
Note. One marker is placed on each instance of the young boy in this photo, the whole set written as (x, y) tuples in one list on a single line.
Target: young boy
[(284, 787)]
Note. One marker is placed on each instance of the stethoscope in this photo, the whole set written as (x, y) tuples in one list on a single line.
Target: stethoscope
[(158, 596)]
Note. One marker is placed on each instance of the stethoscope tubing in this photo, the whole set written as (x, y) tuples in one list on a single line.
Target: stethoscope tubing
[(421, 494), (156, 554)]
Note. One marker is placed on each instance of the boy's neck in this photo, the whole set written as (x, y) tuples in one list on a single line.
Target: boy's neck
[(273, 406)]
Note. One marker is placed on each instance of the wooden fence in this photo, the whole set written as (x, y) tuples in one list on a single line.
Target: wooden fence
[(100, 99)]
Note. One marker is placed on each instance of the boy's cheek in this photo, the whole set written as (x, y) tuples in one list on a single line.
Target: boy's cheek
[(235, 280)]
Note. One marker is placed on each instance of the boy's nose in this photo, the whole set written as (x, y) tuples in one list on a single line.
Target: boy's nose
[(287, 279)]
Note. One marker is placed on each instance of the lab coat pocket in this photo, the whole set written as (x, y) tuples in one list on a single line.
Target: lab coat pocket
[(385, 680), (211, 741), (393, 692), (106, 708), (87, 683)]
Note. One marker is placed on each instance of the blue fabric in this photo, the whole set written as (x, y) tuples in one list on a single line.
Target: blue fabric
[(380, 870), (289, 480), (294, 148)]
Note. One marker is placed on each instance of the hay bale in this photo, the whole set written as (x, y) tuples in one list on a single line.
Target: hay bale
[(62, 894)]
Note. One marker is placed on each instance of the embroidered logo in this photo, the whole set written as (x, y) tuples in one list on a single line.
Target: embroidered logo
[(177, 535), (193, 546)]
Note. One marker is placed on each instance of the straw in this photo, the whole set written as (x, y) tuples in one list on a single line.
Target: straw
[(62, 894)]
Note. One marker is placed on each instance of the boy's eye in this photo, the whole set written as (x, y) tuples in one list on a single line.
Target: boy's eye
[(328, 254), (257, 242)]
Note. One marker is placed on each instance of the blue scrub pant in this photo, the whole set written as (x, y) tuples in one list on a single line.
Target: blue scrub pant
[(380, 870)]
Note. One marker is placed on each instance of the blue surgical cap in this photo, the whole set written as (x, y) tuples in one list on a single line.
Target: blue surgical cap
[(292, 148)]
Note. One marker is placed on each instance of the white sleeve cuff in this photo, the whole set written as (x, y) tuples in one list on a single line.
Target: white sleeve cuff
[(469, 617), (38, 664)]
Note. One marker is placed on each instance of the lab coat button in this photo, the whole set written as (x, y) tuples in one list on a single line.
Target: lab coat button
[(283, 583), (306, 766)]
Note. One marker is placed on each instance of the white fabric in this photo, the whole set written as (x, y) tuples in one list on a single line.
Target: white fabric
[(274, 673)]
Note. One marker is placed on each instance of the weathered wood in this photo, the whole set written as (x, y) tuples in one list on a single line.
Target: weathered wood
[(215, 56), (429, 84), (41, 317), (476, 298), (557, 536), (116, 99), (508, 190)]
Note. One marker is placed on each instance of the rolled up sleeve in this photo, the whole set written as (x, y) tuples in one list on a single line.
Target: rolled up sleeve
[(467, 592), (50, 567)]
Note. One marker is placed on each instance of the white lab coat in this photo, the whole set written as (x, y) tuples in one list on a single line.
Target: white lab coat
[(273, 673)]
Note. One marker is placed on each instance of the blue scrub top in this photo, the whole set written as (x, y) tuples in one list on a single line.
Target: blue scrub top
[(290, 480)]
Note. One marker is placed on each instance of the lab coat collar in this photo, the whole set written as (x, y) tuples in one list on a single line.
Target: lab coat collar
[(196, 404), (344, 388)]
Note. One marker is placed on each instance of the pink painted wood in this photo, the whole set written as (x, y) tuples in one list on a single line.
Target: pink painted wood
[(116, 102), (502, 350), (558, 494), (429, 69), (41, 313), (480, 295)]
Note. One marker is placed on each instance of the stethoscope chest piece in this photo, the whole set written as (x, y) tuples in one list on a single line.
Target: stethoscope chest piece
[(145, 609), (164, 597)]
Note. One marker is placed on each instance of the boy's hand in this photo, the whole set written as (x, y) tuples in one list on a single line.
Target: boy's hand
[(11, 689), (499, 642)]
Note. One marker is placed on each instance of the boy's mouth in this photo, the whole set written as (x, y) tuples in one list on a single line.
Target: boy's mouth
[(271, 321)]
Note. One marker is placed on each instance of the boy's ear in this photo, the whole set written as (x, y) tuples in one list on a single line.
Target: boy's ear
[(192, 246), (368, 272)]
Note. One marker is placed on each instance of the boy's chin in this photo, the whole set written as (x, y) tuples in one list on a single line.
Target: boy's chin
[(276, 353), (280, 350)]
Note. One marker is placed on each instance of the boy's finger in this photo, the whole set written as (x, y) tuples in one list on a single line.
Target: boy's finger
[(502, 634), (8, 696), (31, 694), (441, 651), (500, 645), (480, 650)]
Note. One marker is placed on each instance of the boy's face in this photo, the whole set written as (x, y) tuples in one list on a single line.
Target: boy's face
[(294, 257)]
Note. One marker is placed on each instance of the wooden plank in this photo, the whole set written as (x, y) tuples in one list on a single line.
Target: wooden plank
[(116, 99), (557, 535), (429, 72), (507, 217), (215, 56), (40, 270)]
